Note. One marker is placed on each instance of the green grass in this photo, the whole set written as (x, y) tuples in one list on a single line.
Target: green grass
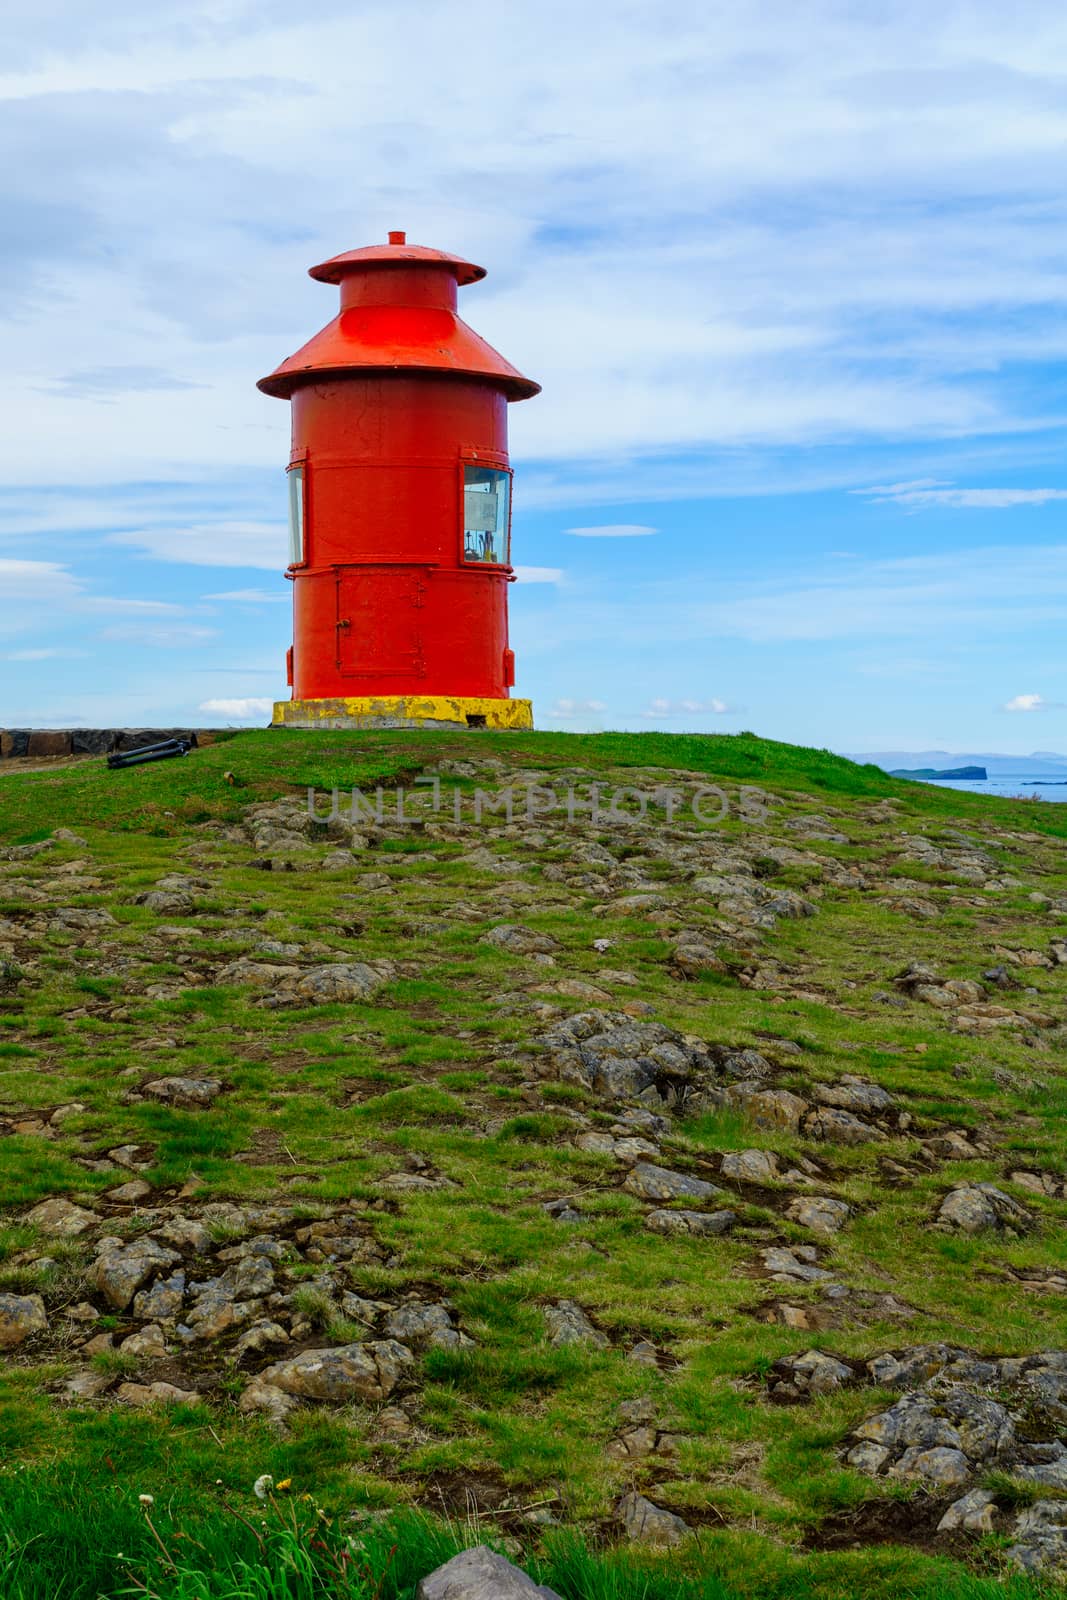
[(438, 1073)]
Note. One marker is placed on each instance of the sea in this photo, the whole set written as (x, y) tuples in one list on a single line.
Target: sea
[(1014, 786)]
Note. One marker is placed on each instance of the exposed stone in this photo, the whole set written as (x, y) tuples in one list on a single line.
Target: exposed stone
[(814, 1372), (419, 1324), (60, 1219), (155, 1394), (343, 983), (972, 1207), (751, 1166), (698, 1223), (148, 1343), (519, 941), (769, 1108), (855, 1094), (129, 1194), (163, 1301), (839, 1127), (118, 1273), (481, 1574), (796, 1264), (658, 1183), (20, 1316), (940, 1464), (352, 1371), (567, 1323), (647, 1523), (186, 1092), (820, 1213)]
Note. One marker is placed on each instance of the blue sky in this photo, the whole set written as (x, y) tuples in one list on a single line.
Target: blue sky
[(794, 280)]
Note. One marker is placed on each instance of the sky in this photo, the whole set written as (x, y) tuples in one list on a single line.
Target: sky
[(794, 281)]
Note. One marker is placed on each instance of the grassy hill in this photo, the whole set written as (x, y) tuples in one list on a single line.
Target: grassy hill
[(587, 1183)]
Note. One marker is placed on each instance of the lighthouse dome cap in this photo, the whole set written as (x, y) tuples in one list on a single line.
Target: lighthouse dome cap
[(397, 252)]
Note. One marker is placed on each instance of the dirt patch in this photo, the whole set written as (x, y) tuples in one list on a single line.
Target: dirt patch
[(911, 1522)]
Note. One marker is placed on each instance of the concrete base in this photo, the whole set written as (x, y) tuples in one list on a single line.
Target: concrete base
[(403, 711)]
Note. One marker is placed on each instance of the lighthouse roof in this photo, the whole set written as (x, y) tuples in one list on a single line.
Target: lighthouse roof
[(395, 253), (397, 315)]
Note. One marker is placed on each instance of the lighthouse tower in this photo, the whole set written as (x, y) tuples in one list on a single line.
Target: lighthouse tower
[(399, 503)]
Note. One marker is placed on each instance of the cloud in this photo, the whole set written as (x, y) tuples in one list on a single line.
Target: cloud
[(44, 655), (927, 492), (248, 709), (1032, 702), (539, 574), (612, 530), (684, 708), (164, 637), (253, 597), (110, 383), (225, 544), (565, 708)]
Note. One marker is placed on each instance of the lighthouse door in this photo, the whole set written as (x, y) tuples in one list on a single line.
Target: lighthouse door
[(378, 616)]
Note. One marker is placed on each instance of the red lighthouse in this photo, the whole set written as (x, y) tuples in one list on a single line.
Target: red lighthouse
[(399, 503)]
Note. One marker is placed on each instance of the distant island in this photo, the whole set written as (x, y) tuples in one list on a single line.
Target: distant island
[(949, 772)]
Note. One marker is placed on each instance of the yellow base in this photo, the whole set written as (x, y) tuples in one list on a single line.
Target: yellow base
[(403, 711)]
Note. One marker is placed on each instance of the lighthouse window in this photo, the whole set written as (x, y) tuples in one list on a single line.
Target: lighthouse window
[(296, 516), (486, 505)]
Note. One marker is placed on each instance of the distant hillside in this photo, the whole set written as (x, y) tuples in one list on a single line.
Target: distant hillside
[(1039, 764), (972, 774)]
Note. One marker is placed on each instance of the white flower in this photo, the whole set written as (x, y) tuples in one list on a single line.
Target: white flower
[(147, 1499), (263, 1486)]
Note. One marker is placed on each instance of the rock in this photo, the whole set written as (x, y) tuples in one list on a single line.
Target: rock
[(814, 1372), (348, 1372), (184, 1234), (820, 1213), (771, 1108), (266, 1398), (1041, 1531), (418, 1324), (567, 1323), (939, 1465), (784, 1265), (974, 1206), (481, 1574), (647, 1523), (868, 1457), (20, 1316), (693, 956), (147, 1342), (186, 1092), (658, 1183), (519, 941), (86, 1384), (343, 983), (128, 1194), (698, 1223), (163, 1301), (60, 1219), (839, 1127), (82, 918), (155, 1394), (854, 1094), (166, 902), (751, 1166), (118, 1273)]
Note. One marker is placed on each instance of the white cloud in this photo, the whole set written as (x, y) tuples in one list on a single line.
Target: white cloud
[(225, 544), (165, 637), (612, 530), (852, 244), (251, 708), (539, 574), (927, 492), (1032, 702), (661, 707), (565, 708), (43, 655), (252, 597)]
